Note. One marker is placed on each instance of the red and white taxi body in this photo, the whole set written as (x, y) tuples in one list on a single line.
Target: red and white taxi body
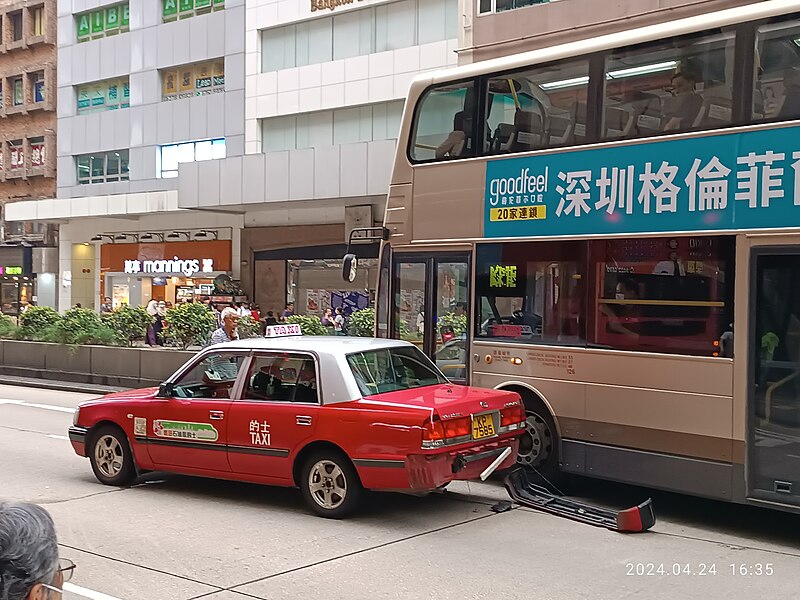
[(331, 415)]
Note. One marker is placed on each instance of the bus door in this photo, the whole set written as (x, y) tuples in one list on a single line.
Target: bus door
[(774, 399), (431, 308)]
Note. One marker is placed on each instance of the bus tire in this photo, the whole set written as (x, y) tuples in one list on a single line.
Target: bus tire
[(538, 447)]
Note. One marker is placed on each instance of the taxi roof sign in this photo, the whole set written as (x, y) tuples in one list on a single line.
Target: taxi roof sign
[(283, 330)]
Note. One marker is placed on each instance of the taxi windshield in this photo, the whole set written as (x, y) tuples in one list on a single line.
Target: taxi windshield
[(393, 369)]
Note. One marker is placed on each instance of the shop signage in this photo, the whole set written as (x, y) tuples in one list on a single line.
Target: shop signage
[(103, 21), (10, 270), (176, 266), (329, 4)]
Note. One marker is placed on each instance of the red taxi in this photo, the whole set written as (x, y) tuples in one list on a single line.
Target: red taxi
[(332, 416)]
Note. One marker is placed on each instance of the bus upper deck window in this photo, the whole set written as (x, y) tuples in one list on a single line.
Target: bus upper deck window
[(777, 69), (444, 124), (536, 108), (680, 85)]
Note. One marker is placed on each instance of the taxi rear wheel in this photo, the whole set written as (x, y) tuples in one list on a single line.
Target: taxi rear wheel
[(330, 485), (111, 457)]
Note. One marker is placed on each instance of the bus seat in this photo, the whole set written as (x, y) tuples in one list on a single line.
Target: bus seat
[(560, 129), (716, 111), (502, 135), (617, 122), (758, 104), (647, 116), (579, 123), (528, 132)]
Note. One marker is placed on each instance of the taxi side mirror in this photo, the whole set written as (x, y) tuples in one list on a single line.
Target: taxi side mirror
[(166, 390)]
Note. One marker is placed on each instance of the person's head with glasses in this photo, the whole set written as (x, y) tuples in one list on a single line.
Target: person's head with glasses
[(30, 568)]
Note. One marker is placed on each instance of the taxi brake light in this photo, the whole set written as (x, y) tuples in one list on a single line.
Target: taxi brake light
[(455, 428), (512, 414), (432, 433)]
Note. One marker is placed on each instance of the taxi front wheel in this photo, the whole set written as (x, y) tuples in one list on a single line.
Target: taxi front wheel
[(111, 458), (330, 485)]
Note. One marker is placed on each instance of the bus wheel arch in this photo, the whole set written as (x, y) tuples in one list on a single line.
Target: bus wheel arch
[(540, 445)]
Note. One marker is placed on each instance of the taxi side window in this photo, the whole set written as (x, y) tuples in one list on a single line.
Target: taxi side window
[(282, 379), (212, 377)]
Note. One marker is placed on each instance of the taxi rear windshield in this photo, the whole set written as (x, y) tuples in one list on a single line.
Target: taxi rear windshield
[(392, 369)]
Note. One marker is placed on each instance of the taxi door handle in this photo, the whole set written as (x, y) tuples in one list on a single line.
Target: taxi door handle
[(303, 420), (217, 415)]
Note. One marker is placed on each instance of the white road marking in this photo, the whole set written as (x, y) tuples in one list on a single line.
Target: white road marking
[(86, 592), (63, 409), (58, 437)]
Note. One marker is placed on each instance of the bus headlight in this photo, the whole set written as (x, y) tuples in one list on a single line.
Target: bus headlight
[(76, 415)]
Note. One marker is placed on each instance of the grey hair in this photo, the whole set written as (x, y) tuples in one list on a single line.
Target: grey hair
[(28, 549), (228, 312)]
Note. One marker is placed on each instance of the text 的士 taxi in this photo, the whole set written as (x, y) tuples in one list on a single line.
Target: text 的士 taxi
[(331, 415)]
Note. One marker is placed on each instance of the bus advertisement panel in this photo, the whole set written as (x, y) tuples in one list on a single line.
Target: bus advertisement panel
[(747, 179)]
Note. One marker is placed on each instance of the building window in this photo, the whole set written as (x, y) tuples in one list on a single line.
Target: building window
[(103, 167), (169, 157), (104, 22), (193, 80), (359, 32), (490, 6), (332, 127), (37, 16), (16, 154), (104, 95), (172, 10), (37, 151), (17, 91), (16, 25), (37, 86)]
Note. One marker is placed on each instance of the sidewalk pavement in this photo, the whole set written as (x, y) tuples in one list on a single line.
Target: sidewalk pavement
[(61, 386)]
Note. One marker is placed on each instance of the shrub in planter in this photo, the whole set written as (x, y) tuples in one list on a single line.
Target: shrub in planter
[(249, 328), (362, 323), (457, 322), (79, 326), (8, 329), (128, 323), (34, 321), (189, 324), (309, 325)]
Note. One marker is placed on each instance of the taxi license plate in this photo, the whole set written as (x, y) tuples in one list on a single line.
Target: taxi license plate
[(482, 427)]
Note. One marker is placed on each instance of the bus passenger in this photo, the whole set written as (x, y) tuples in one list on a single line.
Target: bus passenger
[(688, 102), (454, 145), (626, 290)]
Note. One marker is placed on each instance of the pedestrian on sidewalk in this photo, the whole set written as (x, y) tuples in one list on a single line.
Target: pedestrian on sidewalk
[(29, 565)]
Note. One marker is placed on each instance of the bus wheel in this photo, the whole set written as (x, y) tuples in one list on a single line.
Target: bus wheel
[(538, 448)]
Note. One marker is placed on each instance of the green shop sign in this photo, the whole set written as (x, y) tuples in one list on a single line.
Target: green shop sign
[(112, 17), (202, 3), (170, 8), (102, 21), (186, 5)]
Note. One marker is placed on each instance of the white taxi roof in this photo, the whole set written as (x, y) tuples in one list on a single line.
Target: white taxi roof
[(335, 345), (335, 379)]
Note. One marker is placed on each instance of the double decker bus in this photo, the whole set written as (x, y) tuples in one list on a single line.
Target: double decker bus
[(611, 228)]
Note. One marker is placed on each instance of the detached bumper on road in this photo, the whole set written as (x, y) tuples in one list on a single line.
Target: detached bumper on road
[(77, 437)]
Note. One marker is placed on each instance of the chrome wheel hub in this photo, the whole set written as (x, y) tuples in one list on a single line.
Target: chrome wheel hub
[(536, 444), (327, 484), (108, 455)]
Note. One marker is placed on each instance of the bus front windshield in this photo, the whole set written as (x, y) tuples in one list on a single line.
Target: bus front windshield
[(393, 369)]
